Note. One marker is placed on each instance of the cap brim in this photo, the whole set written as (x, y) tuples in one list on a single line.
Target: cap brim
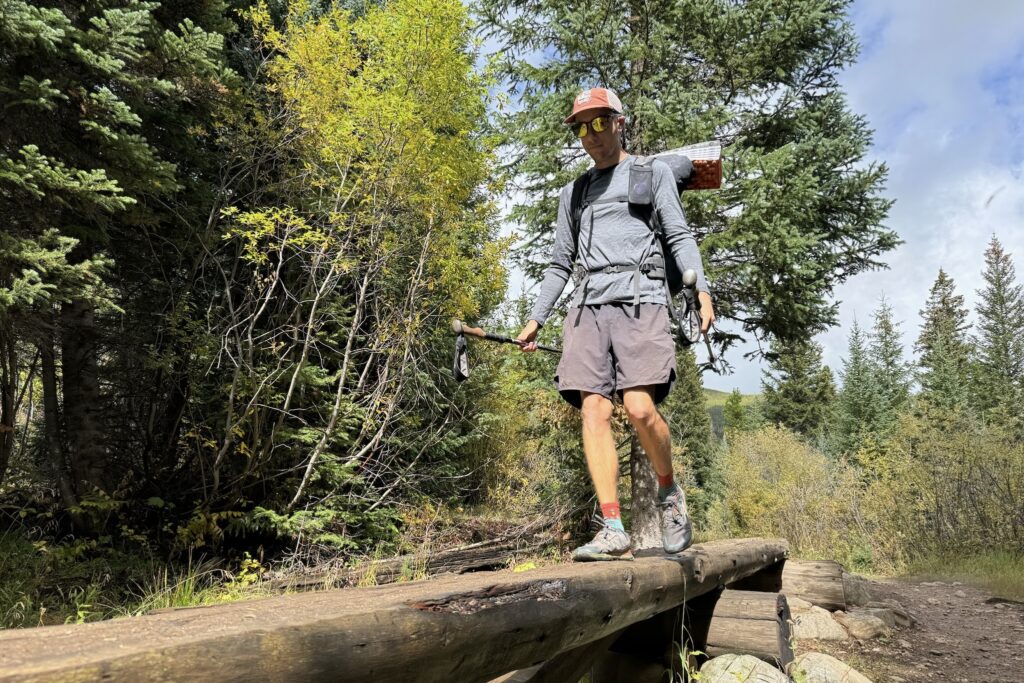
[(571, 118)]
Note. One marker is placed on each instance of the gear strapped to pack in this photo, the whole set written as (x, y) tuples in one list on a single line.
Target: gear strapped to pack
[(652, 264)]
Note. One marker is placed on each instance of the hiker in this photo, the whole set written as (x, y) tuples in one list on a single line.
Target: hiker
[(617, 339)]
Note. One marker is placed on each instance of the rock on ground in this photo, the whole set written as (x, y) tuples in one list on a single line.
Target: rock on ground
[(863, 625), (817, 624), (740, 669), (798, 605), (891, 612), (858, 590), (814, 667)]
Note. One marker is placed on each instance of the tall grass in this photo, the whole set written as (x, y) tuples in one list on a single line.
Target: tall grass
[(1000, 573)]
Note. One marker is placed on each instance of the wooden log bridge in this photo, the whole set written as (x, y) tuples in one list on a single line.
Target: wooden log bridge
[(547, 624)]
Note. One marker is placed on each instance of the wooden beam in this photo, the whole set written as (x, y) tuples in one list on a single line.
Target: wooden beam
[(463, 628), (752, 623), (819, 582)]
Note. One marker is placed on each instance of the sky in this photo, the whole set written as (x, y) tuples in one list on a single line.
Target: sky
[(941, 82)]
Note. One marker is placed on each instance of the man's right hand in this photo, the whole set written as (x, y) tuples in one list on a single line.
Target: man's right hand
[(527, 338)]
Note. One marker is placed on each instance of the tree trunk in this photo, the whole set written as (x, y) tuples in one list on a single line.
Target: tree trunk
[(51, 424), (645, 522), (8, 389), (82, 399)]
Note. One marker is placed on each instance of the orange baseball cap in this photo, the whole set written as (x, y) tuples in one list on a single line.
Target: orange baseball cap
[(594, 98)]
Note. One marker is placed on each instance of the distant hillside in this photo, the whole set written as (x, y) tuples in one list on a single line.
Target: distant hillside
[(714, 397), (716, 403)]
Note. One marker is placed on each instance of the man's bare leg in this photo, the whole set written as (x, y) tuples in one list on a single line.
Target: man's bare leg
[(611, 542), (651, 427), (654, 435), (599, 447)]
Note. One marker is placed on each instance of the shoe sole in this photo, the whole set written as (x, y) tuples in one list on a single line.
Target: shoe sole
[(602, 557), (676, 552)]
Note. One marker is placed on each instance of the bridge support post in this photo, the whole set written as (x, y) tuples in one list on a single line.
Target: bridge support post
[(653, 649)]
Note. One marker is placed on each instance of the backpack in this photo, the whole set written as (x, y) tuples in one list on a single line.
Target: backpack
[(684, 312)]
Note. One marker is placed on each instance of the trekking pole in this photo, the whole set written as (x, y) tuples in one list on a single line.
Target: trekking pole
[(461, 366), (459, 328)]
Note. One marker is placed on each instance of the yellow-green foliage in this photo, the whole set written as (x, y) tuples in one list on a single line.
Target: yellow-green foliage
[(777, 485), (945, 481), (531, 436), (387, 110)]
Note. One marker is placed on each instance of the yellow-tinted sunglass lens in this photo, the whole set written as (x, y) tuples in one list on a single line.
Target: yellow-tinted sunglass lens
[(580, 129), (598, 124)]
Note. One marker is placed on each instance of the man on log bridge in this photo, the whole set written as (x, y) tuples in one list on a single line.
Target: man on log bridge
[(617, 340)]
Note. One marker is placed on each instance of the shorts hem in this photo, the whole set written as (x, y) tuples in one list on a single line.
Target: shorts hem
[(574, 395), (662, 387)]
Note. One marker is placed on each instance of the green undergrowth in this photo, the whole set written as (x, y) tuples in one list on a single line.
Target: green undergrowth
[(1002, 574), (44, 583)]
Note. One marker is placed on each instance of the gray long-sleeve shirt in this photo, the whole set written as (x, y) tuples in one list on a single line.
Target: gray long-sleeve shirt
[(612, 234)]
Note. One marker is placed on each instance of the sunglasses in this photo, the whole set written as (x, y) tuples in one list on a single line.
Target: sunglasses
[(598, 125)]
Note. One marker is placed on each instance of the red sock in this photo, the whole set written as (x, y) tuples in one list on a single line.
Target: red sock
[(610, 511), (666, 481)]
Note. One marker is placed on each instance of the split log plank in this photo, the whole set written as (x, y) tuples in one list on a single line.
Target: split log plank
[(459, 628), (819, 582), (752, 623), (477, 557)]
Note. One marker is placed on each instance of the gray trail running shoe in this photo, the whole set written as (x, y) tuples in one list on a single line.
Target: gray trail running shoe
[(676, 528), (608, 544)]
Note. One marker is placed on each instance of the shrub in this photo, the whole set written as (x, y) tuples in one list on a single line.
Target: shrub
[(777, 485)]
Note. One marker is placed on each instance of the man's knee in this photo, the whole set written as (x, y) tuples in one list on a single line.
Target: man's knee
[(640, 408), (596, 412)]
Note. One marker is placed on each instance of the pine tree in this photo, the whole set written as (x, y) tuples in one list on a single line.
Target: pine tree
[(99, 103), (999, 342), (942, 346), (798, 390), (734, 413), (860, 406), (799, 213), (893, 373)]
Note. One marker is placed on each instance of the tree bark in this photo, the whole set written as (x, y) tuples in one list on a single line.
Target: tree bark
[(8, 389), (51, 423), (82, 399), (645, 522)]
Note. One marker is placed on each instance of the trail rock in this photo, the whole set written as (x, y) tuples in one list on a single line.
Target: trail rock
[(798, 605), (862, 625), (903, 618), (740, 669), (818, 624), (858, 589), (814, 667), (894, 617)]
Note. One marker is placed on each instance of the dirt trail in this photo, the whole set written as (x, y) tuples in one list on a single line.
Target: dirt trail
[(959, 638)]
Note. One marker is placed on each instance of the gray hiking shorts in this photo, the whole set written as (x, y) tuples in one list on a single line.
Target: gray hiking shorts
[(608, 348)]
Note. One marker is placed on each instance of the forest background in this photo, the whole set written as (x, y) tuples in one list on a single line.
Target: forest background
[(235, 235)]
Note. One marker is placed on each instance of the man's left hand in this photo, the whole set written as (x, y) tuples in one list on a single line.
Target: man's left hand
[(707, 312)]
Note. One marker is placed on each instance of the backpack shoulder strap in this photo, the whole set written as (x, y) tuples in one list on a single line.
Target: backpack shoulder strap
[(579, 193)]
